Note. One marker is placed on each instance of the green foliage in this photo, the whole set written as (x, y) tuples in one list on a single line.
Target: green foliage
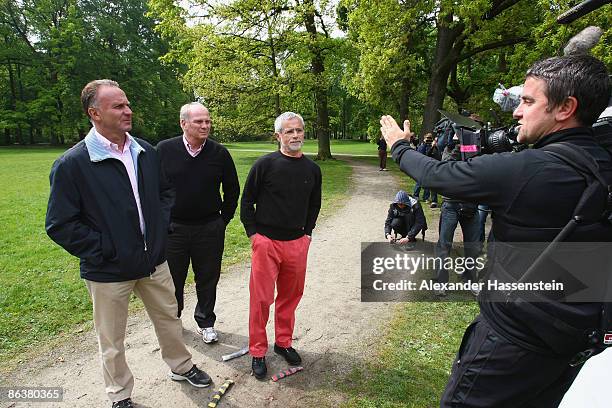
[(248, 61), (395, 45), (53, 48)]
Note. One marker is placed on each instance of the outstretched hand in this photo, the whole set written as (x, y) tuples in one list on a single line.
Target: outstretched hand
[(391, 130)]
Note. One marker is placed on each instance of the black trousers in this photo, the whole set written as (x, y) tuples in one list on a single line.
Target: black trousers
[(382, 158), (202, 245), (491, 372), (401, 225)]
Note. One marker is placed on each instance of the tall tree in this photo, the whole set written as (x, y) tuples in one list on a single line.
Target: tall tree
[(461, 30), (250, 60), (55, 47), (308, 13)]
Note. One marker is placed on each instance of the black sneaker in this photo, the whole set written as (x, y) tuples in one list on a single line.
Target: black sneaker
[(289, 354), (195, 377), (125, 403), (433, 205), (258, 365)]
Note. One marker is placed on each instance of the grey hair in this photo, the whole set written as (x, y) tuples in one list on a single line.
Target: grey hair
[(90, 92), (278, 123), (186, 109)]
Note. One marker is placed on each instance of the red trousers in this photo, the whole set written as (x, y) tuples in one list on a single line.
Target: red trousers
[(281, 264)]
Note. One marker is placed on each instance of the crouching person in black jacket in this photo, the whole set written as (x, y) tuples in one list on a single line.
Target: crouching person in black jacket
[(405, 220)]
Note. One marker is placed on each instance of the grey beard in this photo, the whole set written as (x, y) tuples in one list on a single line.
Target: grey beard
[(292, 148)]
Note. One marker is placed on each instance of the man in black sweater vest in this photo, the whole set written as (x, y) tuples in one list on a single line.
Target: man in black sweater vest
[(285, 188), (197, 167)]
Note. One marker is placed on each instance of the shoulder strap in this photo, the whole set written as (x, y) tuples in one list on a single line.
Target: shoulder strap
[(576, 157)]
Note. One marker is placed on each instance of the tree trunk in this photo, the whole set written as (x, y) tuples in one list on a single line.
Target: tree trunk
[(344, 116), (317, 68), (272, 45), (53, 139), (404, 110), (13, 100), (502, 66), (442, 67)]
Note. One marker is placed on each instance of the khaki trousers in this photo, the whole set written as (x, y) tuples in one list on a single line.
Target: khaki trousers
[(110, 312)]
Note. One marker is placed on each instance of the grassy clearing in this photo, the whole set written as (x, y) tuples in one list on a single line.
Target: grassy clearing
[(355, 147), (42, 296)]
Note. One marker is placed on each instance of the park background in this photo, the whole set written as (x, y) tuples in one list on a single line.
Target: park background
[(340, 64)]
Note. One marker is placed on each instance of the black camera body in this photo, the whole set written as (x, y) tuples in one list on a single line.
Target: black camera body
[(473, 138)]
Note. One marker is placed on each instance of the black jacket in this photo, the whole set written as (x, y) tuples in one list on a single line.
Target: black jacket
[(412, 215), (93, 215), (532, 195)]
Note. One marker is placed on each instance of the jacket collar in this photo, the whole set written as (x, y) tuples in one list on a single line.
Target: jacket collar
[(566, 135), (98, 152)]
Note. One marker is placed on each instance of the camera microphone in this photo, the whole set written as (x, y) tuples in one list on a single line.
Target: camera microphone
[(582, 42)]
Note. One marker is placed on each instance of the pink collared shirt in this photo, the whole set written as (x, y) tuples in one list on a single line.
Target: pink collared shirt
[(125, 157), (193, 152)]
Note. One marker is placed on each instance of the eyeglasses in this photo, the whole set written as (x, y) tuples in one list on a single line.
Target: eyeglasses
[(298, 131)]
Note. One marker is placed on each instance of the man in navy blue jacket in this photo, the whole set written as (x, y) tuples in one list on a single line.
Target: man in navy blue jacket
[(110, 206)]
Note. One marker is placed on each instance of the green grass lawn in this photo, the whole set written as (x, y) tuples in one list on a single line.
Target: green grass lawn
[(353, 147), (410, 366), (41, 294)]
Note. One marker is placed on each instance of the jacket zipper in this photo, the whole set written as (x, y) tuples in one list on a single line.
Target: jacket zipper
[(144, 220)]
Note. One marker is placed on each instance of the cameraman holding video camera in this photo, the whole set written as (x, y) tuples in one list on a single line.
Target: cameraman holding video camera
[(453, 212), (515, 355)]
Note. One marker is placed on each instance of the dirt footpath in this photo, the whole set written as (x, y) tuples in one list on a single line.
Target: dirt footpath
[(334, 330)]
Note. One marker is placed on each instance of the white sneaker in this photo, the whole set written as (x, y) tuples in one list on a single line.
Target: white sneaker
[(209, 334)]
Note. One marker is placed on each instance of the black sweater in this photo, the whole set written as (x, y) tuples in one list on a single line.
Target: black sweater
[(282, 197), (197, 181)]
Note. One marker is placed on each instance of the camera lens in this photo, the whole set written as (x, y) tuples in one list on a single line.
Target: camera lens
[(498, 142)]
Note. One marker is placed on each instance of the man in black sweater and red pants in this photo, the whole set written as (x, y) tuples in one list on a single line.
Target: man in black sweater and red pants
[(279, 209), (197, 167)]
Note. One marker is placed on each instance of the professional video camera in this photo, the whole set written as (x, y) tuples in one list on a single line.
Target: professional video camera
[(474, 138)]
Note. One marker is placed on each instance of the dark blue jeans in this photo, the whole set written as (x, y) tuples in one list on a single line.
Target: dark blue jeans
[(426, 191), (483, 212), (470, 226)]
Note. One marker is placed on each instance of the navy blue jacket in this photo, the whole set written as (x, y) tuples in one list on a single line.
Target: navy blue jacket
[(93, 215)]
